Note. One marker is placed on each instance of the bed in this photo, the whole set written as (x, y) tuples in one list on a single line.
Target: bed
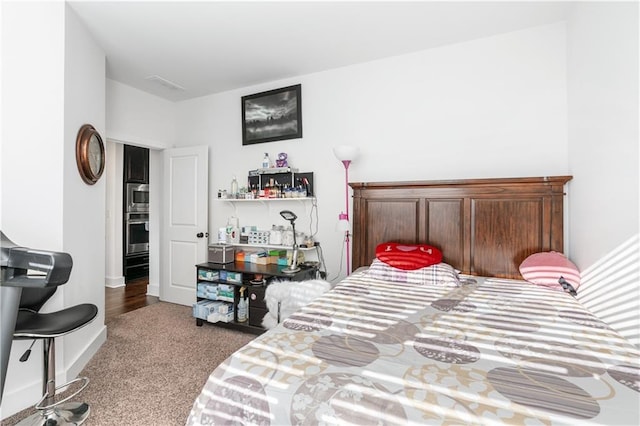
[(472, 343)]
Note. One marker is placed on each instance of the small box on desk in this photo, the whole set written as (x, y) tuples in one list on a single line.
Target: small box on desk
[(283, 261), (266, 260), (220, 253), (255, 256)]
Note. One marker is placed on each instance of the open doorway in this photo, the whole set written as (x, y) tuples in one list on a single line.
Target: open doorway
[(116, 221), (135, 213), (127, 298)]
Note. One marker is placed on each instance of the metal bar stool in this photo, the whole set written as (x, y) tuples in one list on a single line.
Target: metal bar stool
[(24, 294), (31, 324)]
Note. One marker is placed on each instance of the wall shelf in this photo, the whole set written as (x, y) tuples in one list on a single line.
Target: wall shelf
[(269, 246), (267, 200)]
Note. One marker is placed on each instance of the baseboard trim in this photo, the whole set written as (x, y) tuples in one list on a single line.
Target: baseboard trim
[(114, 282), (19, 399), (153, 290), (83, 359)]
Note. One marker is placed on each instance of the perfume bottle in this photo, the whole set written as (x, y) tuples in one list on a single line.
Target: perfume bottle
[(234, 188)]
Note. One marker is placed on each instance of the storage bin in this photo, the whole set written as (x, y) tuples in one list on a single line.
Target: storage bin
[(220, 253)]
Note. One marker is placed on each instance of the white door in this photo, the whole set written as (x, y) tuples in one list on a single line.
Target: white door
[(185, 210)]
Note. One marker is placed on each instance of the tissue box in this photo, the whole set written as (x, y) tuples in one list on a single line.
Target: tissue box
[(226, 292), (220, 317), (223, 312), (207, 275), (220, 253), (207, 291), (234, 277), (204, 308)]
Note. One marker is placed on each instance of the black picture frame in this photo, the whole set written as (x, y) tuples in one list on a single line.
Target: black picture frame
[(273, 115)]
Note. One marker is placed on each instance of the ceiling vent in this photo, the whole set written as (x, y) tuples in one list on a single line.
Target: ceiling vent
[(164, 82)]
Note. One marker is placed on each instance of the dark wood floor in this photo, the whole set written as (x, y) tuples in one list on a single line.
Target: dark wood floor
[(128, 298)]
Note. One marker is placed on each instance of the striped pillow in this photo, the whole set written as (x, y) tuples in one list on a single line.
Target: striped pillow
[(440, 274), (546, 268)]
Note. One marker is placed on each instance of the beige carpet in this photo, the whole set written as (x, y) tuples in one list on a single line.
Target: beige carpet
[(152, 367)]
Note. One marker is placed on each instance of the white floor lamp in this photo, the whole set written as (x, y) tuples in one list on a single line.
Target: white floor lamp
[(346, 154)]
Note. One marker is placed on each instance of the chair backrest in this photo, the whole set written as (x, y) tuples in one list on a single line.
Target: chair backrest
[(34, 298), (285, 297)]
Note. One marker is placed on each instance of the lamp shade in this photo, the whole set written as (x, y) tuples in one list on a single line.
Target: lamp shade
[(346, 152)]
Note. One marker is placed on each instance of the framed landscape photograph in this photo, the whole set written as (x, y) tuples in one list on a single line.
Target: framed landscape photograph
[(272, 116)]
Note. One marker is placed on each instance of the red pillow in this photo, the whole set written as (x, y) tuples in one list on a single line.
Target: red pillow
[(408, 256), (546, 268)]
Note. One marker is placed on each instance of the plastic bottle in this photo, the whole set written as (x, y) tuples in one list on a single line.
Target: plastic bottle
[(234, 188), (233, 230), (242, 306), (266, 161)]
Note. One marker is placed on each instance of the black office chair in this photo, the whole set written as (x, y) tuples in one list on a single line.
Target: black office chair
[(33, 292)]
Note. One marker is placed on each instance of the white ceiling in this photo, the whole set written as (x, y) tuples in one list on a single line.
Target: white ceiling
[(209, 47)]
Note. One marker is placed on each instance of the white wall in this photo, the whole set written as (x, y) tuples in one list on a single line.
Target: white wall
[(32, 157), (43, 108), (32, 132), (602, 69), (84, 205), (494, 107), (603, 130), (136, 118)]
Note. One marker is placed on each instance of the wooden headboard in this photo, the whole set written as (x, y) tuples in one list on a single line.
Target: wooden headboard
[(483, 226)]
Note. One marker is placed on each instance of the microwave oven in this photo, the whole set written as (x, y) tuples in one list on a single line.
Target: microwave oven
[(137, 198)]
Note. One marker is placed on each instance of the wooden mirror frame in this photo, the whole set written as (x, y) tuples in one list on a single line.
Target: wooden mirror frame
[(88, 136)]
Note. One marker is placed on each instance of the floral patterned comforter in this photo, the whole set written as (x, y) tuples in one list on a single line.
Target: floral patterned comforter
[(369, 352)]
